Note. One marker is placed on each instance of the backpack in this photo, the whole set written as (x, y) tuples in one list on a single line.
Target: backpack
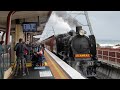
[(25, 52), (40, 53)]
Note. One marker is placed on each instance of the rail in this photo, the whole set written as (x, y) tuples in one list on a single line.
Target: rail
[(109, 56), (5, 61)]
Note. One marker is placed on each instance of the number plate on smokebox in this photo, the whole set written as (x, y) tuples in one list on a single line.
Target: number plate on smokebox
[(90, 63)]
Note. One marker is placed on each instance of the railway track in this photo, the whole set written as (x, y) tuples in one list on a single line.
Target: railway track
[(99, 75)]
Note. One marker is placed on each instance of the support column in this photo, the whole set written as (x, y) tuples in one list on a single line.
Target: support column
[(28, 37), (8, 27), (31, 38), (18, 34), (13, 56), (25, 36)]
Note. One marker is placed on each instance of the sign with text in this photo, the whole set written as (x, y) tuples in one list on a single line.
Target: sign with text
[(82, 55), (29, 26)]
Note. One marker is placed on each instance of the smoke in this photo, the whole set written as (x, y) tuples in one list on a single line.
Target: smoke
[(67, 18)]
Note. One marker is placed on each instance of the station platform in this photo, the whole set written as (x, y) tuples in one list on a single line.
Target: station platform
[(54, 68)]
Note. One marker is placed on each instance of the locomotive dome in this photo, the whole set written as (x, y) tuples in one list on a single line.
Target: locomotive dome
[(71, 32)]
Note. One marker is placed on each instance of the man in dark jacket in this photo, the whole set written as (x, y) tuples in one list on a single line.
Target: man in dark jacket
[(19, 48)]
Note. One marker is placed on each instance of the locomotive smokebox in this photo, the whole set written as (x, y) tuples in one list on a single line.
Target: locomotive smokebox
[(78, 28)]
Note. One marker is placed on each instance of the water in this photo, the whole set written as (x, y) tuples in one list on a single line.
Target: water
[(108, 42)]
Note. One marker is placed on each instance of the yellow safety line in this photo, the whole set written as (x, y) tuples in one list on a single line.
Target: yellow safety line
[(30, 64), (56, 68), (45, 63)]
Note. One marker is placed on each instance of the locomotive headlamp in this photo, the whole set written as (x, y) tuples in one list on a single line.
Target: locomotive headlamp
[(82, 32)]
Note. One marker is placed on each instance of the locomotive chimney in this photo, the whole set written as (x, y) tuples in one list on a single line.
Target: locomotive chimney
[(78, 28)]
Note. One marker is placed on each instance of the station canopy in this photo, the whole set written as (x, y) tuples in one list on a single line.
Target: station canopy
[(25, 16)]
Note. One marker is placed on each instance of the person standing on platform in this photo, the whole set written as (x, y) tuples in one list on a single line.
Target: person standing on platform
[(19, 48), (43, 48), (1, 52), (40, 57), (25, 51)]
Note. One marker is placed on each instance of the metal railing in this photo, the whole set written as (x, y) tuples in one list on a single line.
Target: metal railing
[(109, 56), (5, 62)]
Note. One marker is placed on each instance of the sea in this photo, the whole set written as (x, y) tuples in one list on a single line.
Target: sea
[(108, 42)]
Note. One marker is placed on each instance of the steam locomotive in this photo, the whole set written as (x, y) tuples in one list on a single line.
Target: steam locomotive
[(76, 49)]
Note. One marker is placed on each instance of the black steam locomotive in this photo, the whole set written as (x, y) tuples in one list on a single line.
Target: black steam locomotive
[(78, 50)]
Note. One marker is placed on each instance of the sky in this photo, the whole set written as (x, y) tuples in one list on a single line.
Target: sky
[(105, 24)]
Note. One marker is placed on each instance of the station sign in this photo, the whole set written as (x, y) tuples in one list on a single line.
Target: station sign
[(29, 26)]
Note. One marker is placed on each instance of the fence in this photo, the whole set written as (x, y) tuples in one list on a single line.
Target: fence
[(5, 61), (109, 55)]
